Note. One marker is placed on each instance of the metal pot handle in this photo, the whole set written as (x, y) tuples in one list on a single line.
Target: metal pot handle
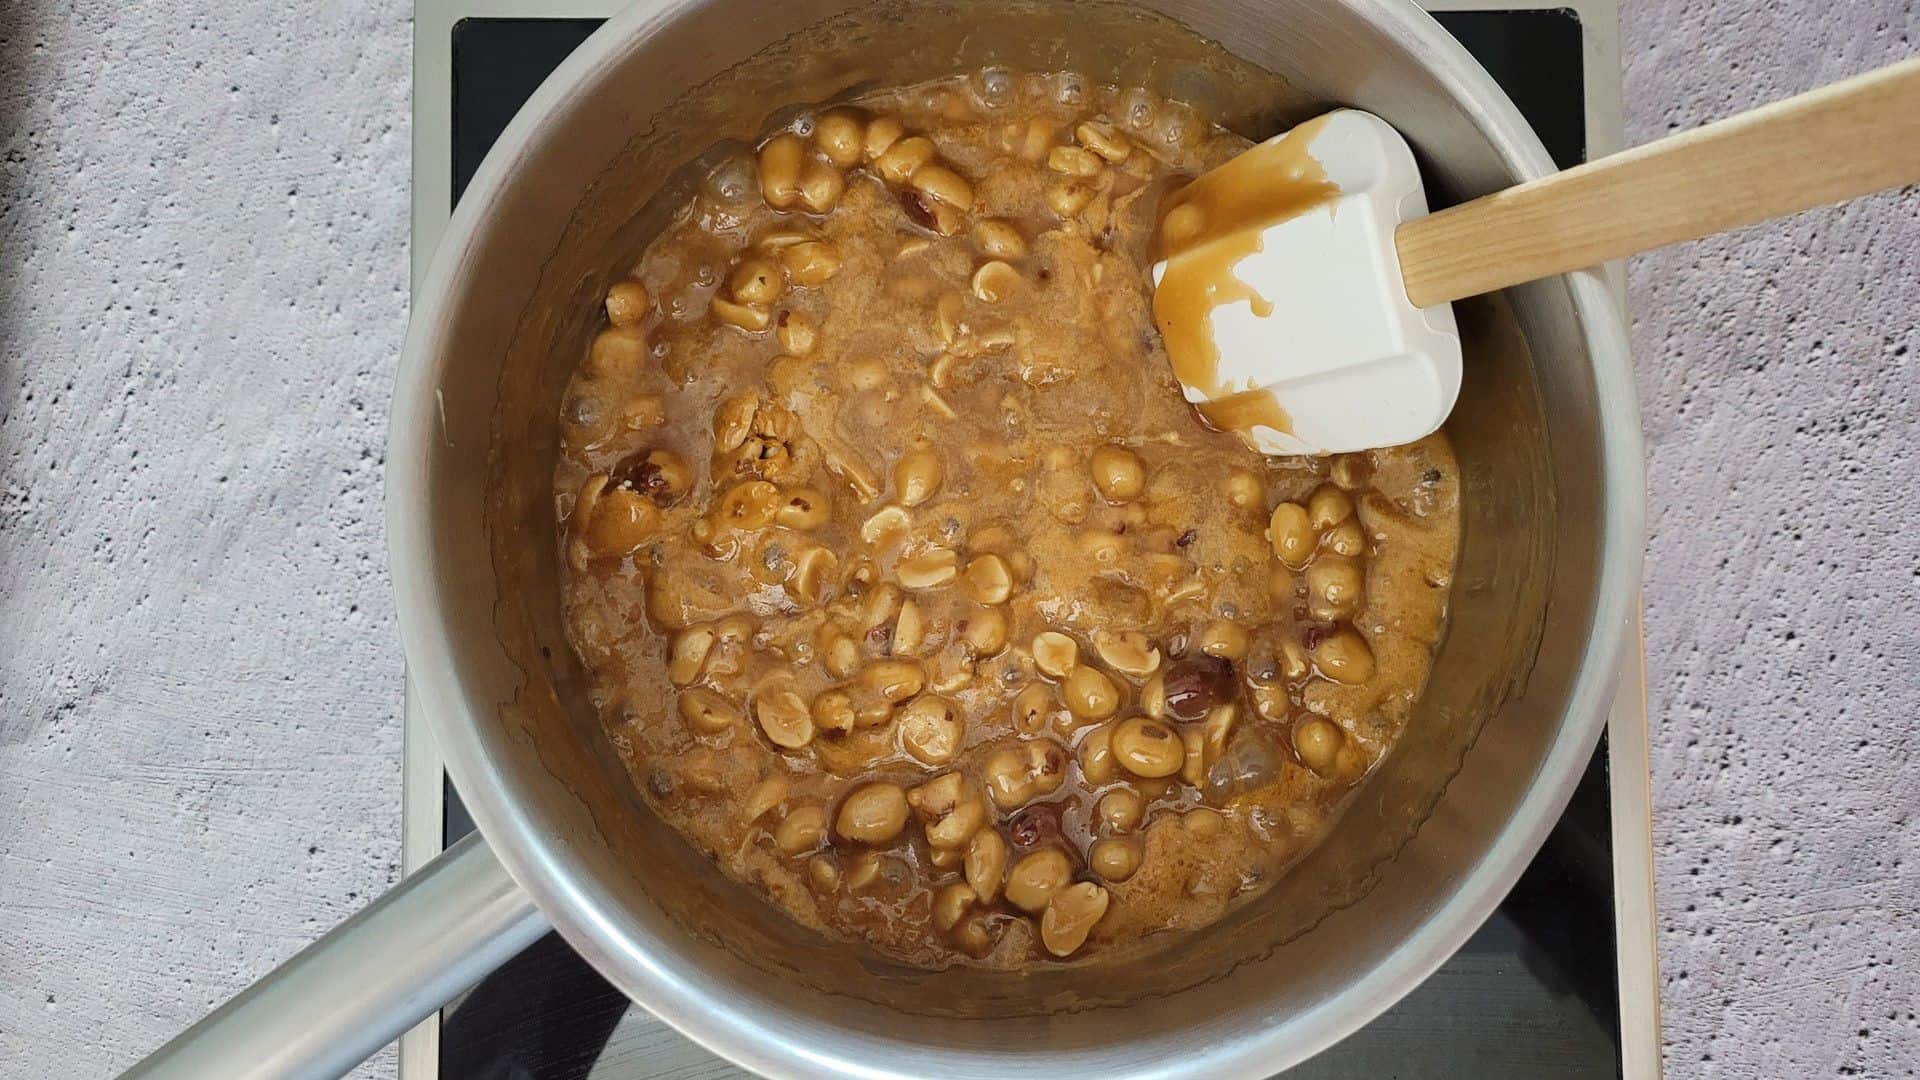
[(369, 979)]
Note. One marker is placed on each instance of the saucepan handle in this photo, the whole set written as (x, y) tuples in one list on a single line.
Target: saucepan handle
[(371, 978)]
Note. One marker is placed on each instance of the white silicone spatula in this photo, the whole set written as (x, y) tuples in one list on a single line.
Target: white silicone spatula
[(1304, 292)]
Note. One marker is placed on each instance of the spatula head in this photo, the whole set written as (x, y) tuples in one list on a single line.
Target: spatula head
[(1280, 298)]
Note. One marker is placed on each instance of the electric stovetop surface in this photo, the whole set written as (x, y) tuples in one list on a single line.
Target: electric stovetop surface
[(1536, 992)]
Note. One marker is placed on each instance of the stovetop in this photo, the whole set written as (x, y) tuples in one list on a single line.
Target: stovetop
[(1536, 992)]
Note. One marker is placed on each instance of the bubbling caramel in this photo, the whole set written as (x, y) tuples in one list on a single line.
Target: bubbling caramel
[(909, 586)]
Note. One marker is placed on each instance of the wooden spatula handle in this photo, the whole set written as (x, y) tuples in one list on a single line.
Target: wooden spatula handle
[(1824, 146)]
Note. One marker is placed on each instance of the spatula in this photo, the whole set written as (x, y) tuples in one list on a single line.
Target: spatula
[(1305, 293)]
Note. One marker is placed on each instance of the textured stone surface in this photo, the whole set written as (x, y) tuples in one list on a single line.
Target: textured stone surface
[(202, 290), (1779, 380), (203, 274)]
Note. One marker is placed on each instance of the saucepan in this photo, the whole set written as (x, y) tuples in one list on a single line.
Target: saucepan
[(1549, 446)]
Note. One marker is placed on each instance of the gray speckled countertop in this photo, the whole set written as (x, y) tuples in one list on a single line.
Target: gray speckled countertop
[(203, 274)]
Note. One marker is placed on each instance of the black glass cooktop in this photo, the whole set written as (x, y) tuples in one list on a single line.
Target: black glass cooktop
[(1533, 994)]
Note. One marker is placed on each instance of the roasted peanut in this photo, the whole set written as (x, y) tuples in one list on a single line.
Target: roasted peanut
[(1055, 654), (1203, 822), (885, 526), (803, 508), (974, 936), (626, 303), (752, 318), (1226, 640), (1034, 879), (821, 186), (1071, 916), (909, 630), (1073, 161), (1347, 539), (880, 605), (1036, 140), (733, 421), (952, 903), (617, 350), (1351, 471), (986, 864), (1031, 707), (795, 332), (1193, 769), (942, 859), (1328, 506), (995, 281), (949, 317), (1120, 810), (823, 873), (1069, 197), (872, 813), (882, 133), (1291, 534), (1294, 660), (757, 281), (1183, 223), (706, 711), (1153, 695), (786, 719), (840, 134), (838, 652), (1015, 776), (1126, 651), (780, 162), (1335, 588), (777, 238), (931, 730), (1244, 490), (1318, 742), (988, 580), (1118, 474), (943, 184), (749, 505), (917, 476), (863, 869), (999, 239), (1096, 756), (619, 522), (766, 795), (1102, 140), (900, 160), (930, 569), (802, 829), (1089, 694), (894, 680), (1148, 748), (1216, 729), (810, 264), (833, 711), (812, 578), (984, 632), (950, 810), (688, 655), (662, 476), (1114, 860), (1196, 684), (1344, 657)]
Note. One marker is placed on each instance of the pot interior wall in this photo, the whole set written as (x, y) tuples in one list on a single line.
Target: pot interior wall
[(590, 192)]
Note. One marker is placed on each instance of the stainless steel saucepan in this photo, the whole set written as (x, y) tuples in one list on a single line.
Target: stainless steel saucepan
[(1547, 436)]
